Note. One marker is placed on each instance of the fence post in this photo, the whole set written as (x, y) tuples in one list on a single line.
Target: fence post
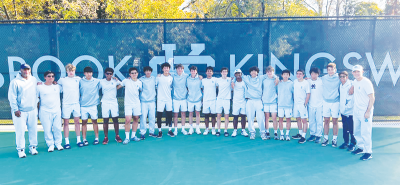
[(165, 33), (53, 39)]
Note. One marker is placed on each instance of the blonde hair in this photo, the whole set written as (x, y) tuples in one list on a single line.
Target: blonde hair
[(332, 65), (70, 67)]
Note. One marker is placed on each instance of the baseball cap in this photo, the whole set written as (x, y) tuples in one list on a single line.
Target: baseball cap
[(238, 71), (25, 66), (357, 68)]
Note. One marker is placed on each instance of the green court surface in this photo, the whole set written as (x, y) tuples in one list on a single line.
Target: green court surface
[(199, 159)]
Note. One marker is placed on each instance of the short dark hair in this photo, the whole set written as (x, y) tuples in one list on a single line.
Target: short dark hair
[(315, 70), (286, 71), (300, 70), (48, 72), (344, 73), (209, 68), (88, 69), (224, 68), (166, 64), (132, 69), (254, 68), (178, 66), (109, 69), (193, 68), (147, 68)]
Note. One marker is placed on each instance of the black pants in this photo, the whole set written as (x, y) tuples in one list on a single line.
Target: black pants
[(348, 129)]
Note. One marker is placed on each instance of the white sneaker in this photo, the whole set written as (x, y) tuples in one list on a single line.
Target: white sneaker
[(281, 138), (213, 132), (234, 133), (205, 132), (287, 138), (126, 141), (263, 136), (244, 133), (51, 148), (21, 153), (176, 132), (252, 136), (59, 147), (184, 132), (33, 151), (198, 131), (191, 131)]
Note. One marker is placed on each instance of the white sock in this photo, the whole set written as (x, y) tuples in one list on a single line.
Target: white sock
[(84, 139), (67, 141), (133, 134), (183, 129), (78, 139), (334, 137), (176, 129), (303, 134), (169, 129), (287, 132), (206, 129), (267, 130), (213, 129), (127, 135), (281, 132), (235, 130), (197, 126), (159, 130), (96, 138), (219, 130), (275, 131), (300, 132), (225, 130), (191, 126), (326, 137)]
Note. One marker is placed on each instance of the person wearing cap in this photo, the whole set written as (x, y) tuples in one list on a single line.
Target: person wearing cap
[(269, 99), (363, 110), (89, 99), (70, 104), (50, 111), (194, 97), (22, 94), (346, 111), (239, 103)]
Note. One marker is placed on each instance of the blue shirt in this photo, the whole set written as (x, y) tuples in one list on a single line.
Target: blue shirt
[(149, 89), (194, 89), (285, 94), (331, 86), (89, 91), (179, 86), (269, 91)]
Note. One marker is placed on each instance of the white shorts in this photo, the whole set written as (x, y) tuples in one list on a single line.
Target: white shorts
[(209, 107), (223, 104), (179, 104), (86, 111), (331, 109), (285, 112), (300, 111), (75, 109), (239, 108), (107, 107), (164, 104), (271, 107), (193, 106), (135, 110)]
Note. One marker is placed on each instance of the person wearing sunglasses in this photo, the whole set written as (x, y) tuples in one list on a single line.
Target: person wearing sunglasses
[(346, 111)]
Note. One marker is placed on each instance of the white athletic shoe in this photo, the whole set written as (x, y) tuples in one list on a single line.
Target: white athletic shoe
[(59, 147), (205, 132), (234, 133), (191, 131), (51, 148), (263, 136), (213, 132), (287, 138), (21, 153), (244, 133), (33, 151), (176, 132), (252, 136), (184, 132), (198, 131), (126, 141), (281, 138)]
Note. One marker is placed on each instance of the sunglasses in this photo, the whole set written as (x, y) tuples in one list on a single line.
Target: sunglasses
[(108, 73), (133, 73), (50, 76)]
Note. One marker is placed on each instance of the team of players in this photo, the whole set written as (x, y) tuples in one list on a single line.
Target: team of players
[(254, 96)]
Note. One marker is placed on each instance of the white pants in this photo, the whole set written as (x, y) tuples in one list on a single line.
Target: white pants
[(107, 107), (331, 109), (148, 109), (315, 119), (363, 130), (26, 120), (51, 123), (86, 111), (254, 108), (179, 105), (194, 106)]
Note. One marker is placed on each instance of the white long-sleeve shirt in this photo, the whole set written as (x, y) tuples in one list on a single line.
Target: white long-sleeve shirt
[(22, 94), (346, 100)]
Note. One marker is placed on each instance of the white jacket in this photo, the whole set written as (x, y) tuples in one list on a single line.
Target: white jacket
[(22, 94), (346, 100)]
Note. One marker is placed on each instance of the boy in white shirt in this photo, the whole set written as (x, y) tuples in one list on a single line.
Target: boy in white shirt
[(285, 103), (223, 100), (346, 111), (179, 102), (301, 97), (194, 97), (209, 86), (315, 110), (164, 98), (239, 103), (269, 99)]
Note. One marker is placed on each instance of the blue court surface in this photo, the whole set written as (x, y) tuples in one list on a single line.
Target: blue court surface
[(199, 159)]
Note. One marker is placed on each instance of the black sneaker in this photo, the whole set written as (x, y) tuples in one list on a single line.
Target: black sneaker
[(311, 138), (218, 134), (226, 134), (358, 151), (152, 135), (317, 139), (325, 142), (159, 134), (170, 133), (344, 146), (302, 140), (351, 147), (297, 136), (366, 156), (85, 143), (276, 136), (142, 137), (267, 136), (334, 143)]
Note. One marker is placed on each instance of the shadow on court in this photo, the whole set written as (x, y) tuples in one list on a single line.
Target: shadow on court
[(199, 159)]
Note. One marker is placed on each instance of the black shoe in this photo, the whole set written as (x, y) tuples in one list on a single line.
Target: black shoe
[(351, 147), (85, 143), (142, 137), (276, 136), (152, 135), (325, 142), (226, 134), (366, 156), (358, 151), (311, 138), (218, 134), (267, 136), (334, 143), (302, 140), (170, 133), (159, 134), (298, 136), (344, 146)]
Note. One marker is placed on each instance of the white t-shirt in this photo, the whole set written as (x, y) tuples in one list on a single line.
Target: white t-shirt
[(70, 89), (316, 89), (301, 89), (224, 88), (109, 90), (132, 91), (164, 87), (49, 97), (209, 88), (239, 92), (361, 91)]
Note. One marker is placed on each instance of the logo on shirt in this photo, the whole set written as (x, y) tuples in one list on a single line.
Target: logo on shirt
[(313, 86)]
